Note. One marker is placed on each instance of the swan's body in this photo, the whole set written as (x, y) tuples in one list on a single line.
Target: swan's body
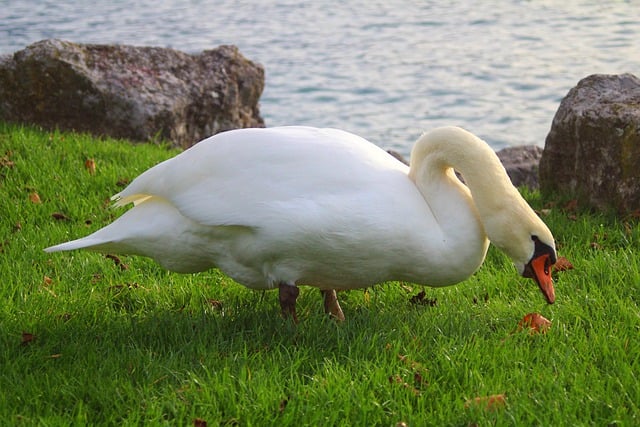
[(326, 208)]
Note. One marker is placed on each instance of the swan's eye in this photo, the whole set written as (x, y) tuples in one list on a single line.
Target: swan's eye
[(541, 249)]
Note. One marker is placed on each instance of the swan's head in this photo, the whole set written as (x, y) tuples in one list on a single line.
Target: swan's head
[(539, 267), (508, 220), (529, 243)]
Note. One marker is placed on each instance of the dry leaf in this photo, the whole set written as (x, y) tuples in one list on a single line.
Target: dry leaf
[(117, 261), (34, 197), (5, 162), (197, 422), (562, 264), (27, 338), (490, 403), (47, 280), (635, 214), (125, 285), (397, 379), (60, 216), (571, 205), (535, 322), (215, 303), (419, 372), (90, 166), (283, 405), (419, 298)]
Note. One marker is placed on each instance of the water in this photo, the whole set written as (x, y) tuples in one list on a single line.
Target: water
[(386, 70)]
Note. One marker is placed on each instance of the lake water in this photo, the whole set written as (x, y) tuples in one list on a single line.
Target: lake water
[(386, 70)]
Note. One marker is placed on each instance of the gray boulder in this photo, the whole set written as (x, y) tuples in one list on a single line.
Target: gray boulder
[(592, 152), (522, 164), (138, 93)]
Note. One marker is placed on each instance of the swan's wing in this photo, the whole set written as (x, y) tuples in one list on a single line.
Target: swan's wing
[(241, 177)]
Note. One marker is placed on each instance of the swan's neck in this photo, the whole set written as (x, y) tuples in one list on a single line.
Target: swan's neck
[(489, 193)]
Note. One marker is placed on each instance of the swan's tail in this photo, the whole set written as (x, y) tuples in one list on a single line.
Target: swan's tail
[(89, 242), (128, 226)]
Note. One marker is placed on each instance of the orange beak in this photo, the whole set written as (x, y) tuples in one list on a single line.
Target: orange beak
[(541, 267)]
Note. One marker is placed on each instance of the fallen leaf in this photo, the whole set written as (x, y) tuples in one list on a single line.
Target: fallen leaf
[(419, 380), (47, 280), (215, 303), (117, 261), (126, 285), (27, 338), (283, 405), (34, 197), (571, 205), (535, 322), (90, 166), (5, 162), (419, 371), (489, 403), (420, 298), (60, 216), (562, 264), (397, 379), (635, 214), (197, 422), (122, 182)]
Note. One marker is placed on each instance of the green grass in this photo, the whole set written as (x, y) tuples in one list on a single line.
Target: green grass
[(140, 345)]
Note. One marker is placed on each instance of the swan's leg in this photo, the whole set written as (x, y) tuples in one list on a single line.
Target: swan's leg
[(331, 304), (288, 295)]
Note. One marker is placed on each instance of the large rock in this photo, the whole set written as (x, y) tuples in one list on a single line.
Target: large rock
[(522, 164), (139, 93), (592, 151)]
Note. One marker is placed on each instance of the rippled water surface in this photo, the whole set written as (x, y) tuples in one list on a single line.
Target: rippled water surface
[(386, 70)]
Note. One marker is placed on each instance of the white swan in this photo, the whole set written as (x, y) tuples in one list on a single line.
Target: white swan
[(281, 207)]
